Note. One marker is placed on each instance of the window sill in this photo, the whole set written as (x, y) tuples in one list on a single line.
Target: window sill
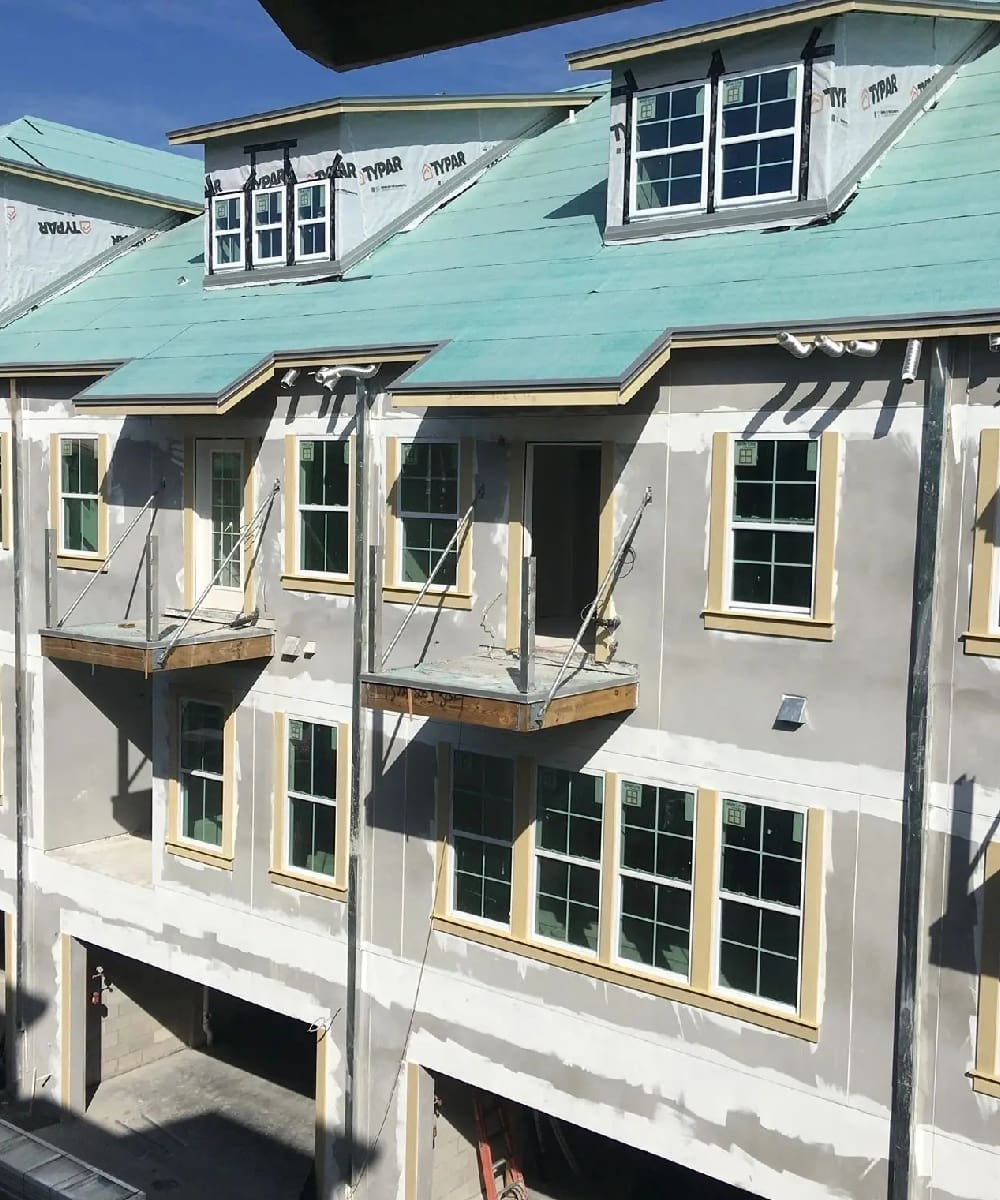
[(209, 858), (449, 599), (772, 625), (72, 562), (752, 1014), (987, 645), (301, 883), (986, 1085), (309, 583)]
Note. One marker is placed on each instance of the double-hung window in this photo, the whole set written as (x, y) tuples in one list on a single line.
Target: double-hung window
[(312, 203), (568, 840), (323, 517), (312, 797), (202, 772), (656, 872), (761, 900), (227, 230), (269, 226), (482, 835), (79, 496), (775, 492), (428, 510), (758, 136), (670, 149)]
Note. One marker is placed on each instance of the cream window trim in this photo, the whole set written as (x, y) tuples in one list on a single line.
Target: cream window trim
[(985, 1075), (73, 560), (818, 625), (293, 578), (395, 590), (176, 844), (281, 871), (700, 991), (983, 634)]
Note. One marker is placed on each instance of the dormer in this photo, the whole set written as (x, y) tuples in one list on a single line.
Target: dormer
[(307, 192), (770, 118)]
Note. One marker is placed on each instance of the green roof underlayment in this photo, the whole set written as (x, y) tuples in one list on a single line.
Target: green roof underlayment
[(66, 153), (512, 282)]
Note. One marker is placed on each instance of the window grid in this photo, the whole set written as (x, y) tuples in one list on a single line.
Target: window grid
[(201, 760), (269, 226), (79, 495), (772, 538), (311, 800), (760, 902), (226, 517), (323, 502), (758, 136), (312, 205), (427, 504), (670, 177), (656, 878), (482, 836), (568, 857), (227, 231)]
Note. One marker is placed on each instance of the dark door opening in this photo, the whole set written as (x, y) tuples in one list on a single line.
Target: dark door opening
[(564, 524)]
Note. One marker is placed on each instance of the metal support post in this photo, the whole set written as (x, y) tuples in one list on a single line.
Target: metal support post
[(526, 662), (152, 588), (374, 606), (51, 580)]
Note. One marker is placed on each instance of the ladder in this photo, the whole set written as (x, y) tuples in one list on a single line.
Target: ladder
[(493, 1127)]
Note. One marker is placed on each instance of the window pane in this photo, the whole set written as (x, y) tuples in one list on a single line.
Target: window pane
[(741, 871), (312, 239), (781, 880), (227, 213), (80, 526), (228, 249), (779, 979), (267, 208), (324, 473), (312, 836), (201, 737), (793, 587), (311, 202), (323, 542), (312, 759), (202, 809), (270, 243), (738, 968), (482, 807)]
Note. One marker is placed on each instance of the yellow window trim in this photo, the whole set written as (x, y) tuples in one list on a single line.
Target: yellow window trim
[(985, 1075), (699, 992), (221, 856), (983, 635), (717, 614), (68, 559), (293, 579), (394, 590), (280, 871)]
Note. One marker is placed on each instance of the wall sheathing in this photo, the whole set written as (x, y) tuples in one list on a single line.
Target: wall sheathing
[(784, 1117)]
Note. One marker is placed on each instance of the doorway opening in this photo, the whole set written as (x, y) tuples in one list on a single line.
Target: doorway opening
[(563, 528), (220, 476)]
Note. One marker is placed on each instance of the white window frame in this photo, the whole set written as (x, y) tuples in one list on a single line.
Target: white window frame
[(238, 233), (274, 259), (402, 513), (452, 909), (704, 145), (631, 964), (299, 507), (768, 527), (796, 131), (719, 896), (62, 495), (182, 836), (290, 795), (324, 221), (592, 864)]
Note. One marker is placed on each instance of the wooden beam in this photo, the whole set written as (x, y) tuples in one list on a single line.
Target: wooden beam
[(142, 657), (221, 650), (583, 706), (98, 654)]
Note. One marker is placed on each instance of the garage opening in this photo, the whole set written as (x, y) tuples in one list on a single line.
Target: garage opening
[(564, 516), (192, 1091), (482, 1146)]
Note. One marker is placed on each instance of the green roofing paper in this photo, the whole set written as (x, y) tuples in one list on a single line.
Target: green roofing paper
[(511, 280)]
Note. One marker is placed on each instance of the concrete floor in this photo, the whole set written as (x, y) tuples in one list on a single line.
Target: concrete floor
[(195, 1128), (124, 857)]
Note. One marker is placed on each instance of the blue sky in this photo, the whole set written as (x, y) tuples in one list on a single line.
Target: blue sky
[(136, 68)]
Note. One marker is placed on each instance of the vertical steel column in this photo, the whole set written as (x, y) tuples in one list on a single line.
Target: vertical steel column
[(22, 725), (910, 926), (526, 662), (152, 588), (51, 580)]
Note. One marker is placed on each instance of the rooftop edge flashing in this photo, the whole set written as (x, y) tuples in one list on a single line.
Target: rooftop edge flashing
[(767, 18), (83, 184), (196, 134)]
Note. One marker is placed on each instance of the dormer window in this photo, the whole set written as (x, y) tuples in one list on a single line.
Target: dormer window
[(227, 231), (680, 166), (269, 226), (312, 207)]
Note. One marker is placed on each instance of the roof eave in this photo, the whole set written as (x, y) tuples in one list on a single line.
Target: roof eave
[(79, 183)]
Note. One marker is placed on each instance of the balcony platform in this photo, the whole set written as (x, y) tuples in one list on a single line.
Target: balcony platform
[(123, 644), (481, 689)]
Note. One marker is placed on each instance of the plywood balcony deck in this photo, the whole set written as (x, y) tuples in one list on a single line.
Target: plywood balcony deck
[(123, 644), (481, 689)]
